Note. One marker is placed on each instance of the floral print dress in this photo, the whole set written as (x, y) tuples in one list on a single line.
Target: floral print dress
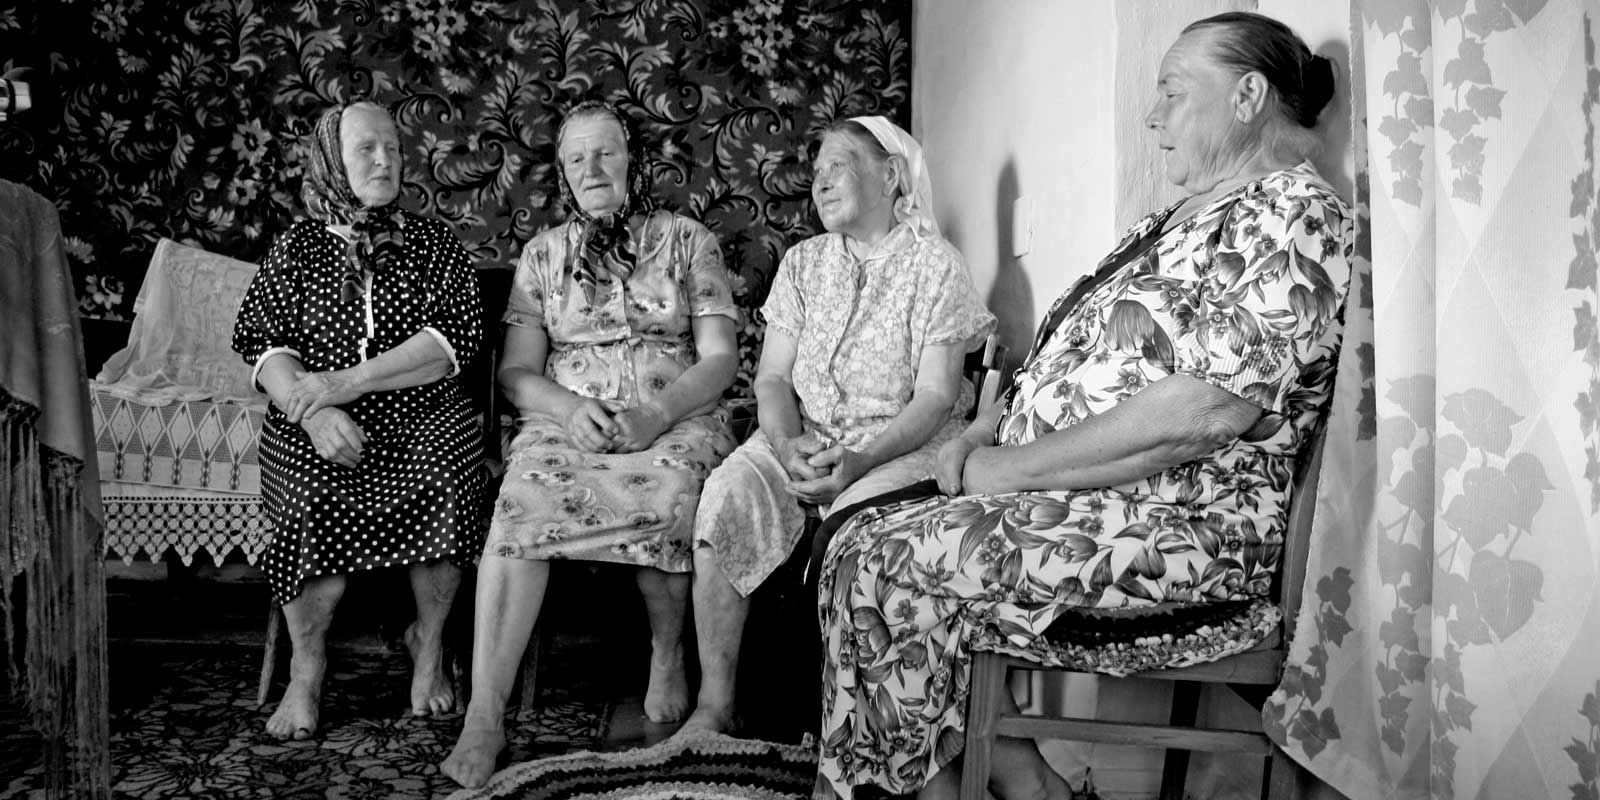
[(1247, 295), (860, 327), (625, 345)]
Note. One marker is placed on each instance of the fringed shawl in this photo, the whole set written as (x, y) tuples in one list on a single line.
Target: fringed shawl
[(50, 517)]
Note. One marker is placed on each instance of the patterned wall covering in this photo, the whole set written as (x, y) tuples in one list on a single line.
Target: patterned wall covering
[(182, 119)]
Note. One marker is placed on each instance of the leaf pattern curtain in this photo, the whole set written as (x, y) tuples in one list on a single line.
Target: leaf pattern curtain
[(1448, 643)]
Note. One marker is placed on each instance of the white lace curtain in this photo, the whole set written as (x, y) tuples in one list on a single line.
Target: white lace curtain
[(1450, 644)]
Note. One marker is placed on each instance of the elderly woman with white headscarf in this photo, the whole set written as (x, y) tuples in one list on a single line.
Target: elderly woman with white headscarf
[(858, 386)]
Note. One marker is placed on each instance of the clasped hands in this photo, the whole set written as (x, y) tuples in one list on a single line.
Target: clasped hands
[(313, 402), (818, 472), (607, 426)]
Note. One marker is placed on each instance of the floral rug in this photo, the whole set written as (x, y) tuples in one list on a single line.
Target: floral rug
[(698, 766), (185, 725)]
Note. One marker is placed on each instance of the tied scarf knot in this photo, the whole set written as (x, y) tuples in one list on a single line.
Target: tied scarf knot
[(376, 246), (605, 250)]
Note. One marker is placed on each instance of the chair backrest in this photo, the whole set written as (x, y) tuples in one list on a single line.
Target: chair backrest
[(1291, 578), (985, 367)]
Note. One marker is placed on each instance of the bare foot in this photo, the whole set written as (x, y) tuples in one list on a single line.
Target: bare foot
[(716, 719), (472, 760), (296, 715), (667, 698), (431, 692)]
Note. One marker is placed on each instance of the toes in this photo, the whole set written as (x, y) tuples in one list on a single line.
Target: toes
[(302, 734)]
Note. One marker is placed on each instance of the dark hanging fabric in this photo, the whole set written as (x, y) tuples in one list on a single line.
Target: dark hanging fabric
[(50, 516)]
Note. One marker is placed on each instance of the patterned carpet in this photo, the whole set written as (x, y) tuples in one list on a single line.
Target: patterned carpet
[(702, 766), (184, 725)]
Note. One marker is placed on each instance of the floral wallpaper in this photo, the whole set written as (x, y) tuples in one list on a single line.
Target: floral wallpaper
[(155, 119)]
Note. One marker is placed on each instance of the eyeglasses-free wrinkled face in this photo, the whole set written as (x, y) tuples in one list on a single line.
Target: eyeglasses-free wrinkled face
[(847, 184), (594, 160), (370, 147), (1193, 117)]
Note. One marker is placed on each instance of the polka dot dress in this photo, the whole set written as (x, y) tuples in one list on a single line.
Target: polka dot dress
[(418, 492)]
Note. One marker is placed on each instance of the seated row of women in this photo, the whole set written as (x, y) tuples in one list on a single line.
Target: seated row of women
[(1142, 455)]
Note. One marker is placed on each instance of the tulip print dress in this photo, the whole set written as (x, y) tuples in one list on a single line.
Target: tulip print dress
[(1247, 295)]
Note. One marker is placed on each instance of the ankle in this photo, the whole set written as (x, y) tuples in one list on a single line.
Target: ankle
[(482, 719)]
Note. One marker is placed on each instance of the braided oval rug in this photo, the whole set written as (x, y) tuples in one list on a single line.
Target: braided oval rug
[(694, 766)]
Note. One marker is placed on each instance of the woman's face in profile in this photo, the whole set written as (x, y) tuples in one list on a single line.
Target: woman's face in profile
[(594, 161), (370, 147), (846, 184), (1193, 116)]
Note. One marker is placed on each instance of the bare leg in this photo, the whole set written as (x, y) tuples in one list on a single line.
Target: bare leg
[(434, 586), (666, 601), (308, 617), (1019, 772), (719, 615), (510, 592)]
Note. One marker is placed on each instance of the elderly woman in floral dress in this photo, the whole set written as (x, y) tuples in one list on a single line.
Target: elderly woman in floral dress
[(619, 343), (858, 385), (1147, 452)]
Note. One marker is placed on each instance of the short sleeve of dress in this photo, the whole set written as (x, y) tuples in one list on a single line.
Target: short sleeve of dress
[(454, 304), (709, 285), (954, 313), (785, 309), (1271, 298), (525, 306), (269, 316)]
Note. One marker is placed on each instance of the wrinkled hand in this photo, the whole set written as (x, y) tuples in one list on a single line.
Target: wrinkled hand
[(638, 428), (591, 427), (843, 466), (795, 454), (335, 436), (319, 390), (950, 464)]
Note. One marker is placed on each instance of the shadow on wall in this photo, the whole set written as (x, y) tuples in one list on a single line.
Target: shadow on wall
[(1011, 295)]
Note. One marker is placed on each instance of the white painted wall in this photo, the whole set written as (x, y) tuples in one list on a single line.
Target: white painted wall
[(1013, 99), (1044, 100)]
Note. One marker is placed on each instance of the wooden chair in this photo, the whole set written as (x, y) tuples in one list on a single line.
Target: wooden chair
[(1253, 674)]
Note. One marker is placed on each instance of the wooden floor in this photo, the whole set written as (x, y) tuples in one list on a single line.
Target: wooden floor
[(588, 607)]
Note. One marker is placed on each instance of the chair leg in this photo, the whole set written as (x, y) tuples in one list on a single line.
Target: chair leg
[(983, 711), (530, 668), (1185, 708), (269, 650), (1283, 778)]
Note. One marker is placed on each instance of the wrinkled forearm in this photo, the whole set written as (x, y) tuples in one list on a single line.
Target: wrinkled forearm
[(777, 409), (913, 427), (417, 361), (697, 388), (1097, 452), (277, 374), (531, 392)]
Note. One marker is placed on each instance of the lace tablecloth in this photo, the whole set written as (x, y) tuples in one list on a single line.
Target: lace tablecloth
[(182, 476)]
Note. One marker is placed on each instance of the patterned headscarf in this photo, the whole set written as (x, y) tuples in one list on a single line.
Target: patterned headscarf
[(915, 206), (605, 243), (377, 240)]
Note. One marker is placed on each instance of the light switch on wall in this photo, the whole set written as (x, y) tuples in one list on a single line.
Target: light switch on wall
[(1021, 226)]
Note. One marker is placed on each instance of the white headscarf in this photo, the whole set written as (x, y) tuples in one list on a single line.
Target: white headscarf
[(915, 206)]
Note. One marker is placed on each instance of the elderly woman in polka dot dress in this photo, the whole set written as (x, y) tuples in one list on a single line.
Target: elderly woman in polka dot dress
[(357, 325), (619, 343)]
